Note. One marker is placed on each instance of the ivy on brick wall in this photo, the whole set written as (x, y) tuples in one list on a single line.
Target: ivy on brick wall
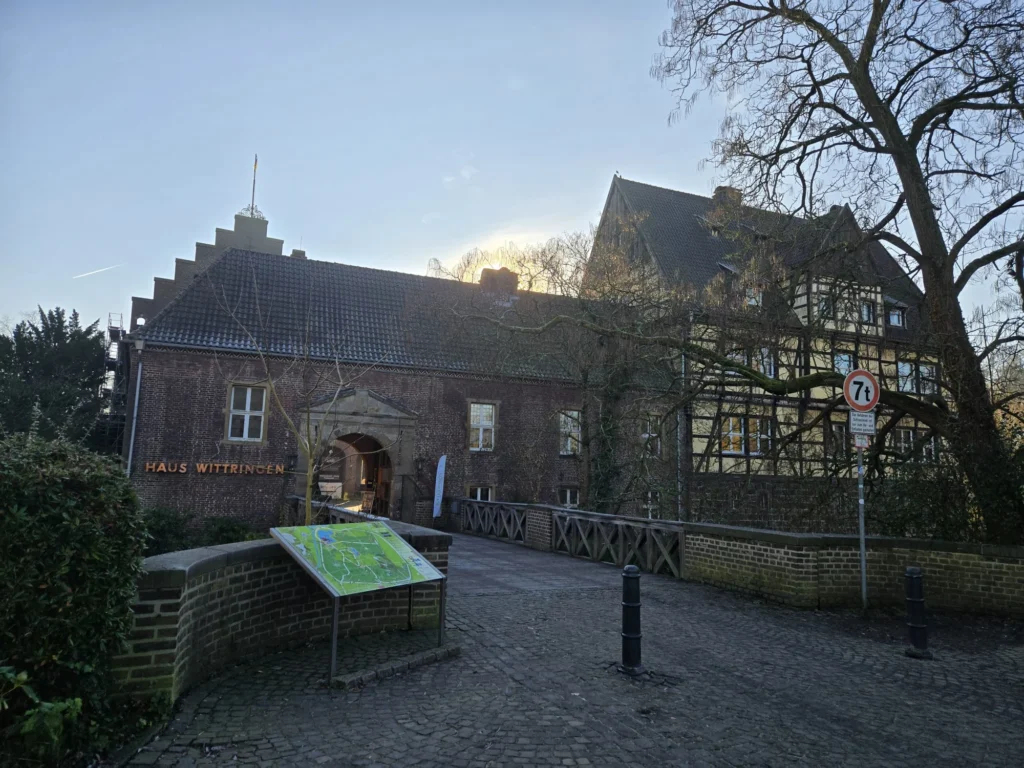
[(71, 541)]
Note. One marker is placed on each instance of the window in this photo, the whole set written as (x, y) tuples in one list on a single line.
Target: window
[(651, 434), (569, 497), (930, 450), (826, 307), (902, 440), (754, 297), (905, 376), (759, 435), (738, 356), (480, 493), (762, 360), (733, 431), (897, 317), (844, 362), (840, 440), (867, 312), (245, 420), (650, 502), (569, 433), (928, 383), (481, 427)]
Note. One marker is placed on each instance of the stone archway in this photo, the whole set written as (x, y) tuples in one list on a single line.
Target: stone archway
[(357, 472), (373, 426)]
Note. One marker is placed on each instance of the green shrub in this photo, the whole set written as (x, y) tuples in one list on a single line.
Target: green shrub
[(71, 541), (169, 531), (226, 530)]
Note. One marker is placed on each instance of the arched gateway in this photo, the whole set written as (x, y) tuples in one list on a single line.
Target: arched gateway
[(368, 459)]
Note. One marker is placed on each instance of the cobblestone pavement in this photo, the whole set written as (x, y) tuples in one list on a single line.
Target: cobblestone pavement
[(734, 682)]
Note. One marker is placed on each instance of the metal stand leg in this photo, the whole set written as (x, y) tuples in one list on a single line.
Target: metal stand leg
[(334, 642), (440, 613), (410, 607)]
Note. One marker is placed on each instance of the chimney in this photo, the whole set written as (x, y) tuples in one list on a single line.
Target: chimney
[(297, 254), (727, 196), (500, 281)]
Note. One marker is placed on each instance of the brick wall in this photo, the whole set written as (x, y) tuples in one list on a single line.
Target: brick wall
[(804, 569), (202, 609), (181, 418)]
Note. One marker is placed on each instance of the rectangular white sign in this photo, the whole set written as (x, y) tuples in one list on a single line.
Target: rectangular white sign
[(862, 423), (861, 441)]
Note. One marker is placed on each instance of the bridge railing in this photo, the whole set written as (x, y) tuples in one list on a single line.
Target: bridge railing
[(806, 569), (655, 546)]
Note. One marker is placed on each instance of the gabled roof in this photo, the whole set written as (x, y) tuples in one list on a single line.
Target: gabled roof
[(675, 227), (248, 302)]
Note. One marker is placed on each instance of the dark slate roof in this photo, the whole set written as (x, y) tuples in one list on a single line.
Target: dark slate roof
[(355, 315), (673, 226)]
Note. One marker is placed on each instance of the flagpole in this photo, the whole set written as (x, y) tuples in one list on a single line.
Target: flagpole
[(252, 204)]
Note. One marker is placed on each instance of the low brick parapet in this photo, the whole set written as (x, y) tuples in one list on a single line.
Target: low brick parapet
[(200, 610)]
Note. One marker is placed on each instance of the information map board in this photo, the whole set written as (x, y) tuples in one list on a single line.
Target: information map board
[(351, 558)]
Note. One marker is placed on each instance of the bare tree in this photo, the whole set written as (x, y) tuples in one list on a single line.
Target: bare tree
[(911, 112), (299, 385)]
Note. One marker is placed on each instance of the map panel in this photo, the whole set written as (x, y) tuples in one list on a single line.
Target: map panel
[(355, 557)]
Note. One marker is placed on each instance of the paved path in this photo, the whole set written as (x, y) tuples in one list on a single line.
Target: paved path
[(737, 682)]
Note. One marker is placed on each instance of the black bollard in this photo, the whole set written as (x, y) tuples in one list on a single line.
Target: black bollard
[(631, 622), (916, 624)]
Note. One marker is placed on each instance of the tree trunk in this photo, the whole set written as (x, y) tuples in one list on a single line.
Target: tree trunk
[(976, 441), (309, 492)]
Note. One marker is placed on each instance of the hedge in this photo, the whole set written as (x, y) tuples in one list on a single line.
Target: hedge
[(71, 543)]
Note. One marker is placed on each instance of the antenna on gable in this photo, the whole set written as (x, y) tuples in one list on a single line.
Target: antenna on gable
[(252, 211)]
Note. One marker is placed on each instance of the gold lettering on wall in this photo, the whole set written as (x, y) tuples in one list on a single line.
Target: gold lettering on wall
[(208, 468)]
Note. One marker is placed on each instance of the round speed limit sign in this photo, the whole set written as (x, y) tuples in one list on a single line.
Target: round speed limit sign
[(861, 390)]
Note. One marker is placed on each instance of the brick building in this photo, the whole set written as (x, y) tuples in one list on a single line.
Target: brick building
[(383, 367)]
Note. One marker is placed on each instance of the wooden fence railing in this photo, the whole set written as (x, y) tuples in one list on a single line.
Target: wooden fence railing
[(502, 521), (655, 546), (652, 546)]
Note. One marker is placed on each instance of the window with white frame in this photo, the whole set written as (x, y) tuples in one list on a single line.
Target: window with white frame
[(569, 497), (902, 440), (569, 433), (650, 434), (905, 376), (930, 450), (867, 312), (480, 492), (844, 362), (763, 361), (759, 435), (247, 413), (481, 426), (733, 433), (650, 502), (928, 383), (754, 296), (897, 317)]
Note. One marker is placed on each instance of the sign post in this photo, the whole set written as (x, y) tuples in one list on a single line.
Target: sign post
[(860, 388)]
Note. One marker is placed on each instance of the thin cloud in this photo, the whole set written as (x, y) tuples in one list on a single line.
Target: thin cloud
[(468, 171), (97, 271), (447, 181)]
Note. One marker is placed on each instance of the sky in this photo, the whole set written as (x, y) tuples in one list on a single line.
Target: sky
[(387, 133)]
